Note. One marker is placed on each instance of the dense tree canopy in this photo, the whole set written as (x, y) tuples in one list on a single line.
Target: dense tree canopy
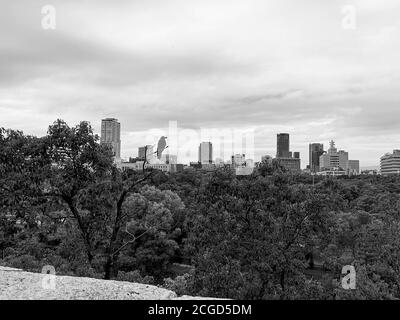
[(270, 235)]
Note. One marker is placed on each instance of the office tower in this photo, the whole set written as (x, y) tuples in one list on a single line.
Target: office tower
[(142, 153), (205, 152), (315, 151), (353, 167), (334, 159), (282, 146), (390, 163), (336, 162), (284, 156), (111, 135)]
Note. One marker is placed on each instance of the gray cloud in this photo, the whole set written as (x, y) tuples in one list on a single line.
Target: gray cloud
[(284, 66)]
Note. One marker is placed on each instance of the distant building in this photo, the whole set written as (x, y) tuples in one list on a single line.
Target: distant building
[(291, 164), (284, 156), (334, 159), (282, 146), (219, 162), (332, 172), (169, 158), (390, 163), (369, 172), (238, 160), (138, 165), (353, 167), (334, 162), (205, 152), (244, 171), (208, 166), (111, 135), (315, 150), (249, 163), (142, 153), (195, 165)]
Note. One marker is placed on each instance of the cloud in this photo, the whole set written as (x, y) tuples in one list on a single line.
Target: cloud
[(271, 66)]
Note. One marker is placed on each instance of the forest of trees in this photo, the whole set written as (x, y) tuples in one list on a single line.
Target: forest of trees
[(270, 235)]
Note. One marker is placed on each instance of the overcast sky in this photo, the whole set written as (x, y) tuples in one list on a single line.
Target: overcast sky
[(271, 66)]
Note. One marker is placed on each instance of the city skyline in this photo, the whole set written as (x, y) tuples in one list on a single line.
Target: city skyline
[(110, 132), (287, 67)]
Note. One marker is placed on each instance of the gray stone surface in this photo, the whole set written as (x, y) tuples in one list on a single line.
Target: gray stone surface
[(16, 284), (20, 285)]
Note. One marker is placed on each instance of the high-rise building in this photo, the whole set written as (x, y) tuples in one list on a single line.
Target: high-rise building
[(390, 163), (288, 159), (205, 152), (149, 155), (334, 159), (282, 146), (315, 151), (336, 162), (111, 135)]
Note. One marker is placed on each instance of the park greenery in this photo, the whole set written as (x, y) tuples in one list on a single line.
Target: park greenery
[(269, 235)]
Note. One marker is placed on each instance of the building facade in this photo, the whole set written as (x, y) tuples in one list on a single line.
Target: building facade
[(334, 159), (390, 163), (205, 152), (291, 164), (169, 158), (334, 162), (289, 160), (315, 150), (138, 166), (353, 167), (142, 153), (111, 135), (282, 146), (238, 160)]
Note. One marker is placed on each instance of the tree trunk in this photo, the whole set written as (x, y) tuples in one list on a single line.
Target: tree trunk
[(108, 268), (282, 280)]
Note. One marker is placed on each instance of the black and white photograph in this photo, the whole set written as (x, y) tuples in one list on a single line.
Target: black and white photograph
[(224, 151)]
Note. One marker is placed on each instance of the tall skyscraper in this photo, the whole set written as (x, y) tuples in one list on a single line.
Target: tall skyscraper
[(111, 135), (282, 146), (284, 156), (315, 150), (205, 152)]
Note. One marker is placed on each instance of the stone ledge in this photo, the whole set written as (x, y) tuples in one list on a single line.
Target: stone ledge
[(16, 284)]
